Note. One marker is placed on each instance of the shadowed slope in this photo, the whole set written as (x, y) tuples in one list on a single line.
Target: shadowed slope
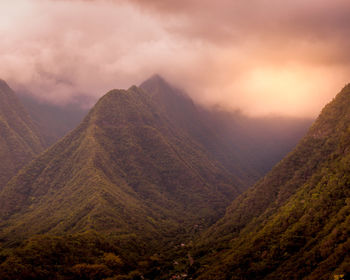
[(53, 121), (19, 139), (248, 147), (180, 110), (294, 223)]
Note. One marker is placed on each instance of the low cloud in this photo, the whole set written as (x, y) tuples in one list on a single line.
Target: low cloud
[(266, 56)]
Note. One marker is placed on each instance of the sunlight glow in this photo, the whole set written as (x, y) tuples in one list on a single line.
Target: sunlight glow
[(290, 91)]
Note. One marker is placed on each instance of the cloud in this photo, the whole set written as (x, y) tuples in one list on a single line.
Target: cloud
[(262, 56)]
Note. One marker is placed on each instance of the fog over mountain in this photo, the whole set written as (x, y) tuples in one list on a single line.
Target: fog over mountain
[(294, 223), (166, 139), (259, 56)]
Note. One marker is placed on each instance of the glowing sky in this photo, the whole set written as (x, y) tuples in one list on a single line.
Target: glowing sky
[(262, 56)]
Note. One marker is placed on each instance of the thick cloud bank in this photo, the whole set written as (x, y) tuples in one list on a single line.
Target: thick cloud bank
[(262, 56)]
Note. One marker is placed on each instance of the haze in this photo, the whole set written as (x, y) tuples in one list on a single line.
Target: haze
[(259, 56)]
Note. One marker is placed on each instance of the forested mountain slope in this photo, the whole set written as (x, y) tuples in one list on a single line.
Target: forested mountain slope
[(145, 171), (19, 138), (125, 170), (294, 223)]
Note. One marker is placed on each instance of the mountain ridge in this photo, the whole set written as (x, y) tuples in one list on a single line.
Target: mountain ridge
[(20, 140), (294, 222), (247, 147), (121, 165)]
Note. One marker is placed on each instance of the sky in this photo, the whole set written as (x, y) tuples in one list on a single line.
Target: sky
[(260, 56)]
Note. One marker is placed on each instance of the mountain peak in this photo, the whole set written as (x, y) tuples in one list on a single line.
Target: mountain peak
[(133, 88), (2, 82), (165, 94), (125, 160), (157, 85), (347, 87), (156, 82), (156, 78), (4, 86), (113, 92)]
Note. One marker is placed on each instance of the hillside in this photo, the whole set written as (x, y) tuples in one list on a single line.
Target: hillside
[(294, 223), (246, 146), (126, 169), (19, 137), (183, 112)]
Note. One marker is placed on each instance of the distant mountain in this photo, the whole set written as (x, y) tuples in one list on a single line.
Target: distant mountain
[(294, 223), (53, 121), (247, 146), (126, 169), (19, 137), (257, 143), (183, 112)]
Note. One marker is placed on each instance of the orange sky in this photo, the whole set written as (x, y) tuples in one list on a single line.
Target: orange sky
[(261, 56)]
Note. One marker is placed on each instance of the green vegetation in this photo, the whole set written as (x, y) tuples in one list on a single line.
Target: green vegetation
[(294, 223), (91, 255), (19, 138), (125, 170), (134, 190), (79, 256)]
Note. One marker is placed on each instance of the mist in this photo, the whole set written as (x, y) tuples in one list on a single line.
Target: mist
[(262, 57)]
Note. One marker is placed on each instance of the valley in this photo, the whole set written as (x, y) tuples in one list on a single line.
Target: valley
[(148, 186)]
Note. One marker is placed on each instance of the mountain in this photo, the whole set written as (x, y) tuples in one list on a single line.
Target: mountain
[(246, 146), (144, 173), (19, 138), (53, 121), (294, 223), (259, 142), (126, 169), (183, 112)]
